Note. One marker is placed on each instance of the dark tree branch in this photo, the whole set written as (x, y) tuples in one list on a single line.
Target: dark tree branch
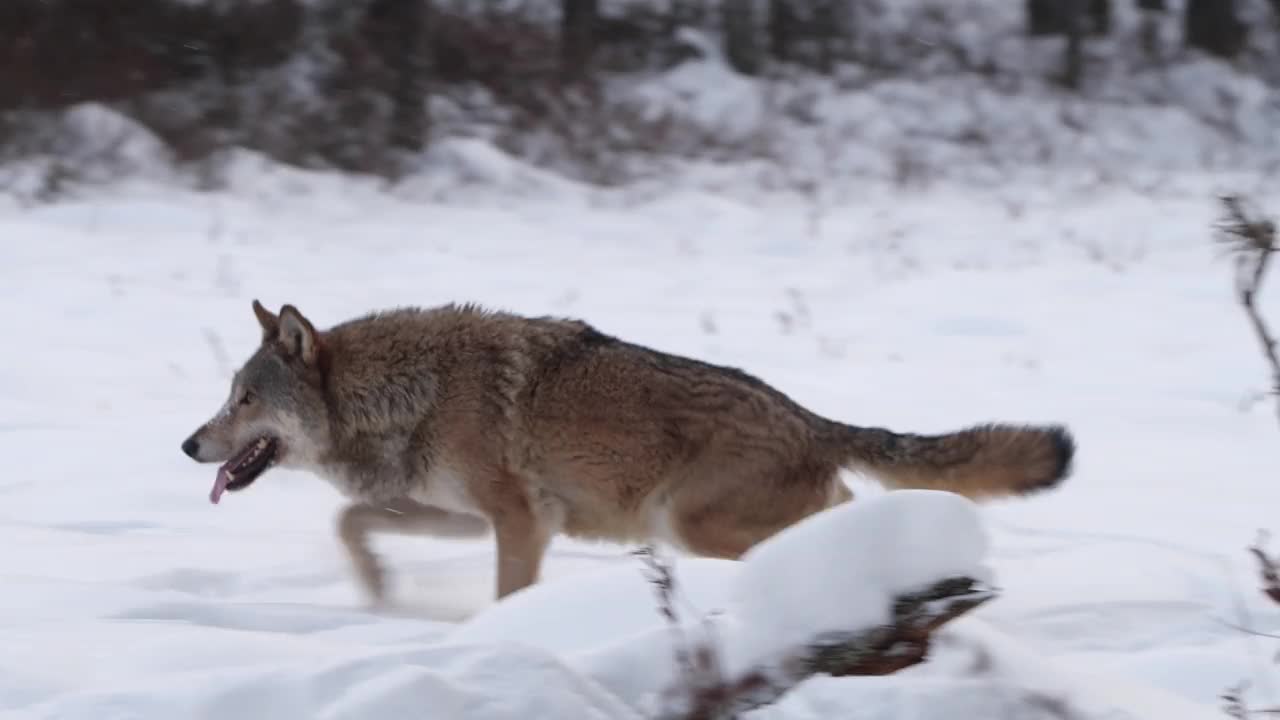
[(1252, 240), (579, 24), (1247, 631), (1268, 568), (1235, 706)]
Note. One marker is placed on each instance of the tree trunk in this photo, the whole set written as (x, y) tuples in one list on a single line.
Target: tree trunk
[(1100, 17), (782, 28), (1043, 18), (1149, 29), (1215, 27), (409, 67), (1073, 67), (825, 22), (578, 24), (1058, 17), (741, 39)]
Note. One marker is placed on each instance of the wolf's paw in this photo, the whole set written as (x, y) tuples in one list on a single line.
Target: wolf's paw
[(378, 604), (372, 580)]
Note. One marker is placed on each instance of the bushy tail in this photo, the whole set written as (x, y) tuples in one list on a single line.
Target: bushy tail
[(983, 461)]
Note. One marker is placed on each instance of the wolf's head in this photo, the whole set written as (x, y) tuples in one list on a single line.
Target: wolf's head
[(275, 413)]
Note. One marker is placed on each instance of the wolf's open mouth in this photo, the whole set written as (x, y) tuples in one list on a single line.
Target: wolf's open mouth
[(245, 467)]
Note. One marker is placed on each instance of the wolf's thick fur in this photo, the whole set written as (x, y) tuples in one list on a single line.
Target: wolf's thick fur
[(456, 420)]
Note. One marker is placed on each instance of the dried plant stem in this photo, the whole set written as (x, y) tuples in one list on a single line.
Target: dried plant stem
[(1252, 240)]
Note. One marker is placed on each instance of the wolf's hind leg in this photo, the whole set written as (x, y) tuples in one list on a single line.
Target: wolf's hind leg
[(358, 520), (725, 515)]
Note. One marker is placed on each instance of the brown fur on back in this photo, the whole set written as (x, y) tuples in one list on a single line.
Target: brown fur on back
[(612, 431)]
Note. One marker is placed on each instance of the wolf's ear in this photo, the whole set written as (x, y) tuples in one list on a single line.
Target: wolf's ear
[(268, 320), (298, 335)]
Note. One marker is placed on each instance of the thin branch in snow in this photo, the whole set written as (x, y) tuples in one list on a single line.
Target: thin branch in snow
[(1251, 239), (1234, 704), (1268, 568), (1247, 630), (699, 666)]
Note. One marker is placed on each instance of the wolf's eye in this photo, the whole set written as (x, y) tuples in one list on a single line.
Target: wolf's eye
[(247, 398)]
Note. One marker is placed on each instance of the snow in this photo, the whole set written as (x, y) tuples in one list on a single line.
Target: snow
[(838, 570), (784, 594), (126, 595), (623, 590), (772, 603), (843, 568)]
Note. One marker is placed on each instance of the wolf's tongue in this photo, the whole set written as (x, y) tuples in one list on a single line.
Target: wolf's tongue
[(220, 484)]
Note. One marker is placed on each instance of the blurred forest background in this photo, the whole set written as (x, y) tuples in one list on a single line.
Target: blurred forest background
[(603, 90)]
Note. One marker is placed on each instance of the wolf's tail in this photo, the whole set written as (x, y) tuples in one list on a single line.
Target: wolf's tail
[(983, 461)]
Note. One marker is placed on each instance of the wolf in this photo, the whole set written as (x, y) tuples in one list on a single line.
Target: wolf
[(462, 421)]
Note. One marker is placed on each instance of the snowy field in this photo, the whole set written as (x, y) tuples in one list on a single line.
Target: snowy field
[(125, 594)]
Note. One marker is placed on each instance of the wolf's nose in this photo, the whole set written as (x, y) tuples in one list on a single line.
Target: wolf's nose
[(190, 446)]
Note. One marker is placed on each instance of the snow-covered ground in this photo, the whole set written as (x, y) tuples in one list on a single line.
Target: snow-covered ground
[(125, 594)]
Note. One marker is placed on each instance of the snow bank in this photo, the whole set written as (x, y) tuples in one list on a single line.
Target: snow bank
[(621, 604), (840, 569), (588, 645), (126, 598), (482, 683)]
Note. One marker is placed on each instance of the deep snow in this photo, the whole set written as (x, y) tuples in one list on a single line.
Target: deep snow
[(127, 595)]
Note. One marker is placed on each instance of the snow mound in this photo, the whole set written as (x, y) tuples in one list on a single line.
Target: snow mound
[(784, 593), (840, 569), (482, 683), (836, 570), (622, 600)]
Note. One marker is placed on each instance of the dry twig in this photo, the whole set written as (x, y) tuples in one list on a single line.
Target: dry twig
[(1268, 567), (1251, 239)]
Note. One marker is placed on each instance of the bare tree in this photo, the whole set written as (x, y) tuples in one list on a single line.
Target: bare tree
[(408, 63), (1073, 68), (1149, 29), (826, 26), (1215, 27), (1059, 17), (1251, 240), (742, 36), (810, 31), (578, 24), (783, 26), (1075, 20)]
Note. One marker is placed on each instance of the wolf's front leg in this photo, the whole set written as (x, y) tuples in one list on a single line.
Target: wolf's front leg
[(522, 539), (358, 520)]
